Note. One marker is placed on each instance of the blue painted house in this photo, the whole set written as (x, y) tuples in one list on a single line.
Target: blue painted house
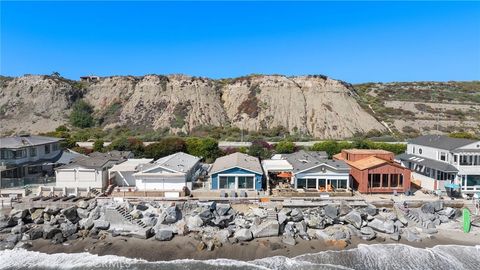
[(236, 171)]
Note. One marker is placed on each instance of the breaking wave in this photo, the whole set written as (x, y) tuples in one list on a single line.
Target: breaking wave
[(378, 256)]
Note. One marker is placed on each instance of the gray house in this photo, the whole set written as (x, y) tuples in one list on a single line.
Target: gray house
[(439, 160), (313, 171), (28, 159)]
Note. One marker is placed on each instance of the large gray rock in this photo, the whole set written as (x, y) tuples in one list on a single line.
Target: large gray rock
[(223, 209), (136, 214), (354, 218), (282, 217), (181, 227), (289, 228), (101, 224), (68, 228), (50, 231), (260, 212), (331, 211), (344, 208), (171, 215), (19, 229), (95, 213), (13, 239), (377, 225), (149, 221), (371, 210), (86, 223), (164, 235), (6, 222), (37, 213), (448, 212), (18, 214), (301, 227), (389, 226), (141, 207), (266, 229), (206, 215), (296, 215), (243, 235), (82, 213), (367, 231), (35, 233), (222, 236), (315, 222), (70, 213), (83, 204), (428, 207), (194, 222), (52, 210)]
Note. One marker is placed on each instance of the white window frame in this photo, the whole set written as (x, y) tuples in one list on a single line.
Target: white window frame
[(236, 181)]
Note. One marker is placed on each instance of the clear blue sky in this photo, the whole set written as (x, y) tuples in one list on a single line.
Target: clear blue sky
[(352, 41)]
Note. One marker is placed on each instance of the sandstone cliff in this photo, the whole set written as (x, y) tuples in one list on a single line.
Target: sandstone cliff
[(314, 105)]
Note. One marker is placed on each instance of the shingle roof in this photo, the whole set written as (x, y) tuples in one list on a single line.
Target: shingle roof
[(236, 160), (24, 141), (178, 162), (442, 142), (430, 163), (304, 160), (87, 162)]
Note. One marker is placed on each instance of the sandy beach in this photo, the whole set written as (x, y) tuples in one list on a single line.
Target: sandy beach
[(185, 247)]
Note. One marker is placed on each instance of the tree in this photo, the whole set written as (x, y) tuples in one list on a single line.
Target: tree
[(203, 147), (128, 144), (81, 115), (98, 145), (260, 149), (165, 147), (285, 147), (462, 135), (55, 74)]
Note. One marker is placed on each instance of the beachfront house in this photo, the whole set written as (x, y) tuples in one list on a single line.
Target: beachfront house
[(375, 171), (313, 171), (87, 172), (438, 161), (236, 171), (122, 173), (171, 173), (28, 159)]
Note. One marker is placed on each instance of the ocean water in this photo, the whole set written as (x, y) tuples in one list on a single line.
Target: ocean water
[(379, 256)]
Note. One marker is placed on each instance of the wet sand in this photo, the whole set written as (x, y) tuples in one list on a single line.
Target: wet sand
[(184, 247)]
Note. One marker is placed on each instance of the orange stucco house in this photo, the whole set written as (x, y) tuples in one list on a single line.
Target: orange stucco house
[(375, 171)]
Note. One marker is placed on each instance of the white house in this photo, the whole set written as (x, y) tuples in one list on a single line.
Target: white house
[(170, 173), (122, 173), (313, 171), (89, 171), (438, 160)]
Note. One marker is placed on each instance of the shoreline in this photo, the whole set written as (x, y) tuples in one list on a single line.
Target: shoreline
[(184, 247)]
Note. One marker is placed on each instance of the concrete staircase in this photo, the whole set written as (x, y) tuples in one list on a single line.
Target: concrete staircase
[(271, 214), (95, 192), (125, 214)]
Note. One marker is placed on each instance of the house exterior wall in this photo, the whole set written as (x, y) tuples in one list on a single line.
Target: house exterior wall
[(41, 154), (361, 178), (328, 174), (236, 171), (81, 178), (162, 182)]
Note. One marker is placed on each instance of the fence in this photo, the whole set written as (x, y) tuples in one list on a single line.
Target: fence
[(26, 181)]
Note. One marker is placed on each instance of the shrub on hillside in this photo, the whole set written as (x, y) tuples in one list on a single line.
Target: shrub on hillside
[(81, 115)]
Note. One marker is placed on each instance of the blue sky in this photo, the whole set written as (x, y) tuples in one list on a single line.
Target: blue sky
[(352, 41)]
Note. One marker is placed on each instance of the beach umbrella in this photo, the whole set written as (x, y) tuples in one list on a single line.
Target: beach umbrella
[(284, 175)]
